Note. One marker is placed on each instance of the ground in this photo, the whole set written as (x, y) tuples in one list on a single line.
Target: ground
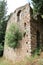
[(3, 61), (36, 60)]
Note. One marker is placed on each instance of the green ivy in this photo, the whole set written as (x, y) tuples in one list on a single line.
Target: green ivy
[(13, 36)]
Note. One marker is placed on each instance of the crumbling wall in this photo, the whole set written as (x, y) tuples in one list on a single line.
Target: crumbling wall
[(23, 13), (36, 26)]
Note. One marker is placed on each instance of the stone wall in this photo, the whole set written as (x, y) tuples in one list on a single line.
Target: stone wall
[(36, 25), (23, 13), (29, 26)]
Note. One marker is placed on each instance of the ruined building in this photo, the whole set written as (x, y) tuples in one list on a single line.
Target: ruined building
[(33, 36)]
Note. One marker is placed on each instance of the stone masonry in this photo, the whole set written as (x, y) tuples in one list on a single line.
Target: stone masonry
[(23, 17)]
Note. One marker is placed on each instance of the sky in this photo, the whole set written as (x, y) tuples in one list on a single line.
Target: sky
[(13, 4)]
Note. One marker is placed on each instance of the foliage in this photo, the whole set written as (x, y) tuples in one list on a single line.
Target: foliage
[(1, 47), (38, 6), (2, 30), (3, 22), (1, 50), (3, 61), (36, 52), (13, 36), (2, 8)]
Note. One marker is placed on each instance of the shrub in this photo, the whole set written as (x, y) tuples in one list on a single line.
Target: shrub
[(1, 49), (13, 36), (36, 52)]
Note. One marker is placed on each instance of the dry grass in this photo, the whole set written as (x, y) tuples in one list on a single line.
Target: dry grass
[(31, 61), (36, 60), (3, 61)]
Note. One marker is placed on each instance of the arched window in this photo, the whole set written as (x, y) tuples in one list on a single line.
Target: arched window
[(18, 15)]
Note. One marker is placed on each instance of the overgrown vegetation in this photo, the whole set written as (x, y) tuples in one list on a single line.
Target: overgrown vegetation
[(36, 52), (1, 49), (36, 60), (3, 61), (13, 36), (38, 6), (3, 9), (3, 21)]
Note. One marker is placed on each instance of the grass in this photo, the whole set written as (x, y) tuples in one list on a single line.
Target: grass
[(36, 60), (3, 61), (31, 61)]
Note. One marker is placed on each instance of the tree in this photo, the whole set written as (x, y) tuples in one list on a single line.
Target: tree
[(2, 17), (38, 6), (3, 23), (2, 9)]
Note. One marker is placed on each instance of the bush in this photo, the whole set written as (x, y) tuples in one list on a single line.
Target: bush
[(36, 52), (13, 36), (1, 47), (1, 50)]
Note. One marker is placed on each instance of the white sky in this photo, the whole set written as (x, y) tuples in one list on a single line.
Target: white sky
[(13, 4)]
